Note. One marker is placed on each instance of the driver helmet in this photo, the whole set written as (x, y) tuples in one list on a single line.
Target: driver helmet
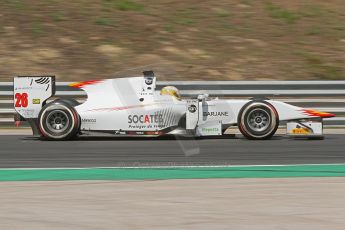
[(172, 91)]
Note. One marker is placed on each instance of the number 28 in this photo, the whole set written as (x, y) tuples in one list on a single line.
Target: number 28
[(21, 100)]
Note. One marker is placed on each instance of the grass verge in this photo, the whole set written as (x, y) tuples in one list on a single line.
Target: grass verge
[(172, 173)]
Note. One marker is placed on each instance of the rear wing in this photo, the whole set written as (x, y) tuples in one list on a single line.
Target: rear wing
[(30, 93)]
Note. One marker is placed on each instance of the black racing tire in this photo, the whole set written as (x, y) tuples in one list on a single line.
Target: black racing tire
[(58, 120), (258, 120)]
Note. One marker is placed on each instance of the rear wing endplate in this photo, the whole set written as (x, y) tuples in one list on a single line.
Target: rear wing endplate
[(30, 93)]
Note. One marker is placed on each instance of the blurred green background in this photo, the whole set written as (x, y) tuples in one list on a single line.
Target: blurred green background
[(188, 39)]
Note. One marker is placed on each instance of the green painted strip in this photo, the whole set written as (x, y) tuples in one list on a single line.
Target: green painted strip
[(172, 173)]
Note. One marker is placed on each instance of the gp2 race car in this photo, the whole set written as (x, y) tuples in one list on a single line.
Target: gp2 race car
[(133, 107)]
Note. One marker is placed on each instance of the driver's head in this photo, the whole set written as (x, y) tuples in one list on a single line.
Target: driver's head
[(172, 91)]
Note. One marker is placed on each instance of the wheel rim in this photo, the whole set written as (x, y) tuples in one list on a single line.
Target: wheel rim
[(258, 120), (57, 121)]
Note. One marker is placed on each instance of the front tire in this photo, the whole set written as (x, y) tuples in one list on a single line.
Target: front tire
[(59, 121), (258, 120)]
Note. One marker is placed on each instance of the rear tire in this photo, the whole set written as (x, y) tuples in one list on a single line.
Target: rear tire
[(258, 120), (59, 120)]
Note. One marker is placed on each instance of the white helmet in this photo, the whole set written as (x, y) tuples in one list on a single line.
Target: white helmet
[(172, 91)]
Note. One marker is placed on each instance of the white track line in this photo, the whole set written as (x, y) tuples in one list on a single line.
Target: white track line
[(172, 167)]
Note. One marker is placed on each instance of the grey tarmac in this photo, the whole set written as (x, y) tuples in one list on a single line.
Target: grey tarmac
[(18, 151)]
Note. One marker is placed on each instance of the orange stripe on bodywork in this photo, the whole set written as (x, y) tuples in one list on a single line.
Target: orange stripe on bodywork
[(84, 83), (315, 113)]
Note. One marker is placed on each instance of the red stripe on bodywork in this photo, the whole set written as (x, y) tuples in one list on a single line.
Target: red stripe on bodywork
[(84, 83), (315, 113), (119, 108)]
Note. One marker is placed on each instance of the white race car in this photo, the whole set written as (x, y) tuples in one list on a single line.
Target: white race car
[(132, 106)]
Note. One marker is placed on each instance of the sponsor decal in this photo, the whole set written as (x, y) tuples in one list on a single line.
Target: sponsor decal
[(149, 81), (27, 88), (144, 121), (88, 120), (210, 130), (30, 88), (216, 114), (120, 132), (26, 112), (36, 101), (300, 131), (192, 108)]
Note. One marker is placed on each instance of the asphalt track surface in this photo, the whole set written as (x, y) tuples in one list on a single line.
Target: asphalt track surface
[(30, 152)]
